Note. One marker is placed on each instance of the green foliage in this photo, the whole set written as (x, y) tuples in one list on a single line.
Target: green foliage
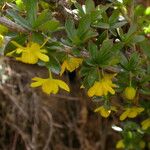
[(80, 35), (107, 39)]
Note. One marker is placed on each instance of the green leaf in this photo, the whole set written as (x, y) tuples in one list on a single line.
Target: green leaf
[(137, 39), (102, 37), (93, 49), (145, 46), (102, 25), (90, 6), (131, 30), (95, 15), (70, 29), (80, 9), (31, 7), (132, 63), (54, 65), (90, 75), (117, 47), (51, 25), (107, 45), (18, 19), (105, 54), (42, 18), (84, 25), (118, 24), (88, 35), (114, 17), (37, 37)]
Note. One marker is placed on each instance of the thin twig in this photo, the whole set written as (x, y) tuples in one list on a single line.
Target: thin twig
[(12, 26), (51, 127), (14, 141), (13, 99), (23, 135), (66, 97)]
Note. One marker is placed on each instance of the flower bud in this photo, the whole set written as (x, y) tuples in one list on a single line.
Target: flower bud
[(130, 93), (1, 40)]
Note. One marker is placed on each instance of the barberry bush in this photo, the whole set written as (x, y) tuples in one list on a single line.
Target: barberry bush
[(106, 44)]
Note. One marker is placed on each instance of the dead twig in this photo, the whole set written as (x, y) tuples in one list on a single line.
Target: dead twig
[(50, 126), (13, 99), (12, 25), (24, 136)]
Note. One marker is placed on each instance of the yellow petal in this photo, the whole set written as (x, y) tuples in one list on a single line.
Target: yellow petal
[(63, 67), (109, 89), (37, 79), (132, 114), (100, 91), (98, 109), (19, 50), (33, 46), (47, 87), (104, 112), (74, 63), (140, 109), (109, 76), (62, 85), (71, 64), (38, 82), (146, 124), (43, 57), (10, 53), (114, 108), (124, 115), (43, 50), (55, 89), (28, 57), (120, 144), (70, 67), (19, 58), (93, 89)]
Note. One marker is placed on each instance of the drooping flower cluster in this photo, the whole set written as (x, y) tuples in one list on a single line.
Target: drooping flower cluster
[(131, 112), (120, 144), (102, 87), (29, 54), (104, 112), (146, 124), (49, 85), (71, 63)]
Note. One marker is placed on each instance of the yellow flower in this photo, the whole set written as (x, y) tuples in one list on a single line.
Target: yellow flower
[(146, 124), (3, 29), (30, 54), (71, 64), (102, 87), (130, 93), (120, 144), (49, 85), (142, 144), (131, 112), (105, 112), (1, 40)]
